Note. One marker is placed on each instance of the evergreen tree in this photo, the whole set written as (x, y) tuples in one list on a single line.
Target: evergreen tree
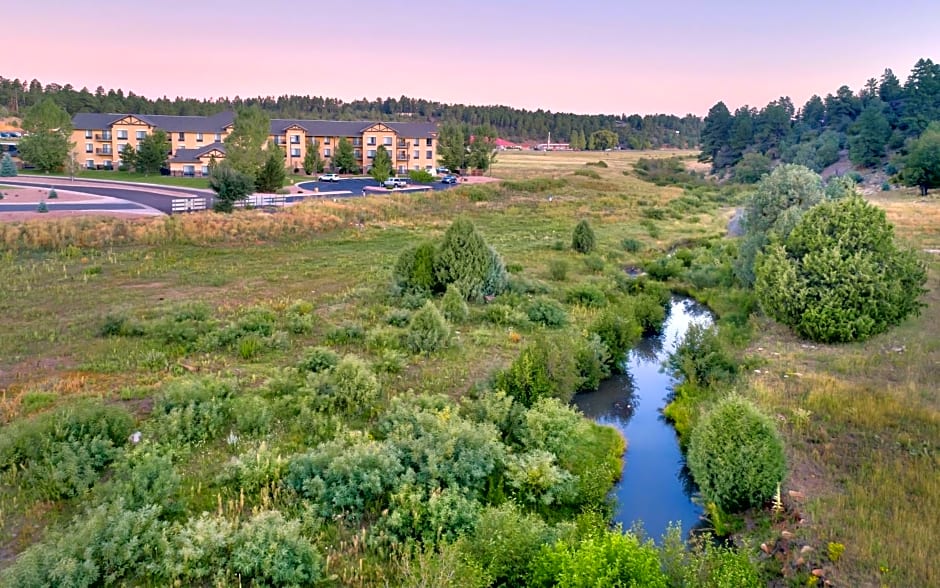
[(229, 185), (128, 158), (381, 165), (869, 135), (7, 167), (345, 158), (482, 149), (716, 132), (583, 239), (922, 162), (273, 174), (152, 153)]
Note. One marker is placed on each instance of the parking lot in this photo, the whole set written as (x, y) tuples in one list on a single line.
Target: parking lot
[(356, 185)]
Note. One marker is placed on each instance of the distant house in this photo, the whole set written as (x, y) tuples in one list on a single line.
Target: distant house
[(503, 145), (552, 147)]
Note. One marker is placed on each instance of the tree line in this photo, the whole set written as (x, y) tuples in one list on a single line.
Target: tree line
[(633, 131), (875, 127)]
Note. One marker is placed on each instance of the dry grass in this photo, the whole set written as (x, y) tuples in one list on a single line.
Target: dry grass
[(529, 164)]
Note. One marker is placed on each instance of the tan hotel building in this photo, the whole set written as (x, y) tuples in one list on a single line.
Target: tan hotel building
[(196, 140)]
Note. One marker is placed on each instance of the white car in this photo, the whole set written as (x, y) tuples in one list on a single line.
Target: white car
[(328, 178), (396, 183)]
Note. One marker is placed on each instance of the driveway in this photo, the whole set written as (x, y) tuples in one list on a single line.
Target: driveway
[(142, 195), (355, 185)]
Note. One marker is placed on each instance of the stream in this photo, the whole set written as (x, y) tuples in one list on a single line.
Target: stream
[(655, 488)]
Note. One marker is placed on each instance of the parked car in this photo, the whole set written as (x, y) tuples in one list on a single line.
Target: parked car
[(442, 171), (395, 182), (328, 178), (449, 179)]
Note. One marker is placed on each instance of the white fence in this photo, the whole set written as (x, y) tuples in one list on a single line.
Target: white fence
[(259, 200), (187, 204)]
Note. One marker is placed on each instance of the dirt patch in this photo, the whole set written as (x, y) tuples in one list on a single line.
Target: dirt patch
[(35, 195)]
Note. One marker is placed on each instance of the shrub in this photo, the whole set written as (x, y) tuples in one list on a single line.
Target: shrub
[(632, 245), (7, 167), (839, 276), (420, 176), (594, 263), (558, 269), (42, 207), (736, 456), (428, 331), (592, 361), (318, 359), (414, 271), (649, 312), (252, 414), (454, 305), (346, 334), (505, 315), (350, 388), (506, 541), (147, 477), (63, 452), (599, 163), (535, 479), (398, 317), (703, 562), (191, 411), (53, 194), (607, 558), (118, 325), (271, 551), (587, 173), (700, 359), (541, 369), (664, 268), (464, 259), (583, 239), (619, 332), (586, 295), (534, 184), (547, 312)]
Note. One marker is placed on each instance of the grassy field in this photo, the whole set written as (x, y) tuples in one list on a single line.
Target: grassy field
[(861, 421)]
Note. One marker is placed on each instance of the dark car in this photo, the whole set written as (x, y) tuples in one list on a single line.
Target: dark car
[(449, 179)]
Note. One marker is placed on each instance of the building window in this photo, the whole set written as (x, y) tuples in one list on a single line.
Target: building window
[(122, 135), (90, 163), (199, 137), (326, 140), (205, 170), (218, 137), (326, 152), (388, 141), (295, 151), (417, 168), (429, 154), (189, 170), (141, 135), (89, 148), (427, 168), (417, 142), (122, 147), (295, 139), (105, 136), (107, 165), (371, 140), (88, 134), (428, 142), (181, 137), (417, 154), (357, 153), (371, 153)]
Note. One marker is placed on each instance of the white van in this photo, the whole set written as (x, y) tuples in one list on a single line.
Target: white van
[(395, 182)]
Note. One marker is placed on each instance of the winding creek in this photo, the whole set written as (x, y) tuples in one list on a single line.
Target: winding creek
[(654, 488)]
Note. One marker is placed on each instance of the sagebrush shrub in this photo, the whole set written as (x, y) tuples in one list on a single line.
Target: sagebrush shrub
[(586, 295), (349, 388), (270, 550), (318, 359), (558, 269), (736, 456), (428, 331)]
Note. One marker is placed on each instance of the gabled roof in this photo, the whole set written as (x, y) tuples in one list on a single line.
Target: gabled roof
[(193, 155), (169, 123), (349, 128), (414, 129)]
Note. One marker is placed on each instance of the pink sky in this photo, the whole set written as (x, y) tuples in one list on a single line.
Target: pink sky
[(593, 56)]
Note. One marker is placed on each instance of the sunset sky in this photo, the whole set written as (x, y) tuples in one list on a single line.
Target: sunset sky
[(591, 56)]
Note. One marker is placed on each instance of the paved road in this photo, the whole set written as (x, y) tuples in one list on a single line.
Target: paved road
[(52, 206), (355, 185), (161, 202)]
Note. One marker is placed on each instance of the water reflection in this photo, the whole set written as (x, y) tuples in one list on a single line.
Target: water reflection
[(655, 487)]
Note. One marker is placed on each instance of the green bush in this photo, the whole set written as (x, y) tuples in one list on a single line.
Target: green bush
[(53, 194), (253, 414), (465, 260), (346, 334), (586, 295), (839, 276), (632, 245), (349, 388), (592, 361), (271, 551), (318, 359), (420, 176), (558, 269), (428, 331), (649, 312), (599, 163), (61, 453), (534, 184), (414, 270), (546, 312), (583, 239), (398, 317), (704, 563), (535, 479), (146, 476), (736, 456), (454, 305), (619, 332), (664, 268), (594, 263), (541, 369), (42, 207), (587, 173), (506, 541), (191, 411), (607, 558), (700, 359)]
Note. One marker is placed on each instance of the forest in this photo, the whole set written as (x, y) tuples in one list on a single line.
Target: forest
[(634, 131), (872, 126)]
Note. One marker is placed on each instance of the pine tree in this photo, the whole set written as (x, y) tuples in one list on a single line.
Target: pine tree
[(345, 159), (381, 165), (273, 174), (7, 167)]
